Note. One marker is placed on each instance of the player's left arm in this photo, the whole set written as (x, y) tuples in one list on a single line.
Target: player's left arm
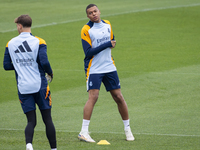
[(44, 62), (7, 62), (43, 58), (112, 37)]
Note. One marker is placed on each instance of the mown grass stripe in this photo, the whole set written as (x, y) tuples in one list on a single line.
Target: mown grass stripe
[(115, 14)]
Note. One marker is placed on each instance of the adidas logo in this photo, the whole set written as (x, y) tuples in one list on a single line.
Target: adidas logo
[(23, 48)]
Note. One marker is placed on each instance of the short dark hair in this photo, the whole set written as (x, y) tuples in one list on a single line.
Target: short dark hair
[(24, 20), (89, 6)]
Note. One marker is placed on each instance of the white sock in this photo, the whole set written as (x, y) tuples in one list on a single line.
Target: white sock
[(54, 149), (29, 146), (85, 125), (126, 124)]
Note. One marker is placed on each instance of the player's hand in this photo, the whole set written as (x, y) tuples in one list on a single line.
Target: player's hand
[(49, 77), (113, 42)]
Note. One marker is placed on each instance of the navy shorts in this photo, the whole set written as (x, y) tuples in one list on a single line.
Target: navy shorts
[(41, 98), (110, 81)]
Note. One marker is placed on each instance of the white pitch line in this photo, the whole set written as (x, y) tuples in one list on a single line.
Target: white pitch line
[(152, 9), (175, 73), (179, 135), (156, 134), (134, 11)]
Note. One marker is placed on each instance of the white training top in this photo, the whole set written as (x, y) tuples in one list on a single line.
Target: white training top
[(23, 51), (102, 62), (95, 35)]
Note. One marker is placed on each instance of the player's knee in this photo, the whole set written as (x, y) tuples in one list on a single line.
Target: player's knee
[(93, 95), (32, 123), (118, 98)]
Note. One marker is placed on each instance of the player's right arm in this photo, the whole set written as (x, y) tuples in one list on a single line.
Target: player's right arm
[(7, 62), (87, 43)]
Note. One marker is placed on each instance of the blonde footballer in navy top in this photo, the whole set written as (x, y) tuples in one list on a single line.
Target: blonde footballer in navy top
[(97, 41)]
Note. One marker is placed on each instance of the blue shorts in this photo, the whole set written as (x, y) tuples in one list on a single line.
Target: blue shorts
[(110, 81), (41, 98)]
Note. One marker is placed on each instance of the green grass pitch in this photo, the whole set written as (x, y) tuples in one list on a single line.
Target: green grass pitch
[(157, 57)]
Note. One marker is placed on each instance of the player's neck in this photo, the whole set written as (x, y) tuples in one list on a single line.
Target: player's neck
[(24, 29), (98, 21)]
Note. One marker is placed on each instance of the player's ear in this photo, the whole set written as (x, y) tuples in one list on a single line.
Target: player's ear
[(87, 15), (20, 26)]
